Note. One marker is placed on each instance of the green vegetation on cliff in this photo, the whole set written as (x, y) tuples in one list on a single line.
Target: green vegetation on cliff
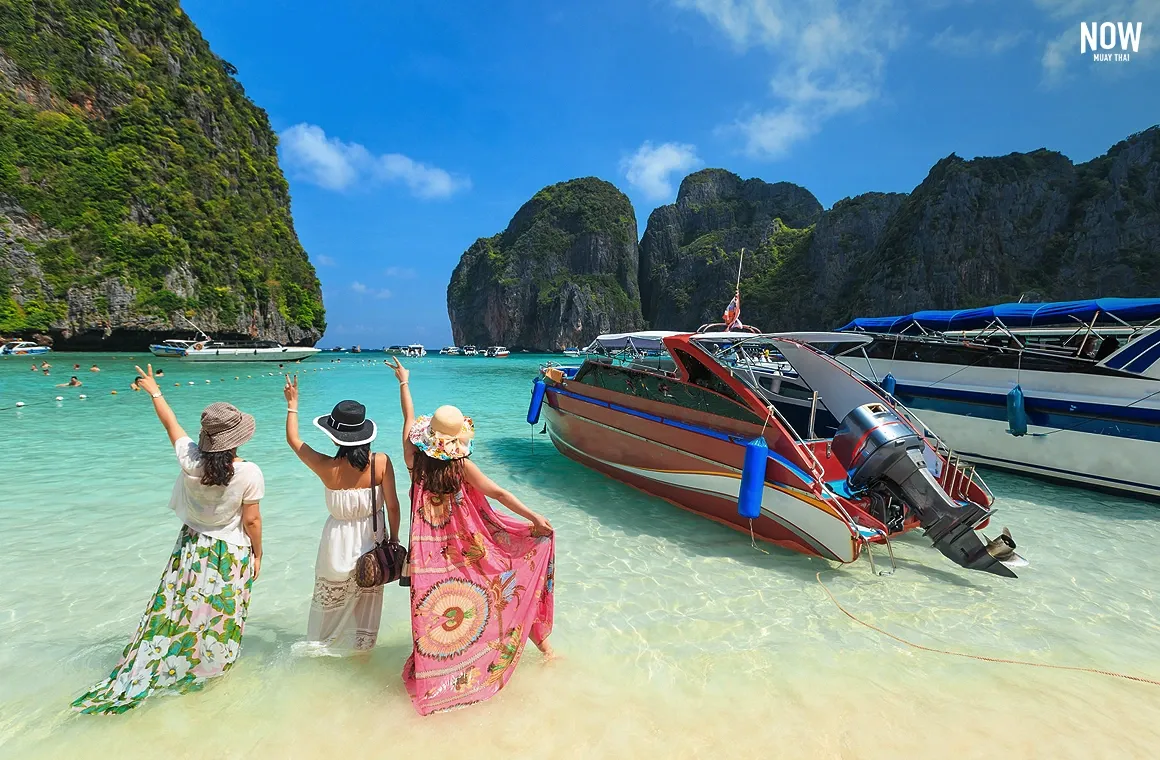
[(564, 270), (128, 151)]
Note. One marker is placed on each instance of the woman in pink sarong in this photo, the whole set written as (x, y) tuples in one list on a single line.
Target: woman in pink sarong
[(481, 580)]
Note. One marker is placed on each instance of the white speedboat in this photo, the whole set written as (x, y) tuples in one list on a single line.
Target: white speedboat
[(470, 351), (572, 352), (449, 351), (170, 348), (1065, 391), (246, 351), (22, 348), (415, 350), (497, 352)]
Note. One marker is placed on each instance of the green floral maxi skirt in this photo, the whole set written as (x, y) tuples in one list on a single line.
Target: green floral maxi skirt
[(191, 632)]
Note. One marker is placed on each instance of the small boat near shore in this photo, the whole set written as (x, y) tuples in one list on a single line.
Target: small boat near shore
[(449, 351), (23, 348), (245, 351), (497, 352), (1066, 391), (470, 351), (811, 458), (572, 352)]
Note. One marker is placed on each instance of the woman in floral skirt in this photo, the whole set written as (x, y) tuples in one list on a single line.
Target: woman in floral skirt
[(481, 579), (192, 629)]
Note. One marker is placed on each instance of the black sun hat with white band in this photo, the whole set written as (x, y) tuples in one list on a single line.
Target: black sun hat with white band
[(347, 424)]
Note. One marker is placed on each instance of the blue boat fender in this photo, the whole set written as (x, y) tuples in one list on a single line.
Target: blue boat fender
[(753, 478), (888, 384), (1016, 412), (538, 391)]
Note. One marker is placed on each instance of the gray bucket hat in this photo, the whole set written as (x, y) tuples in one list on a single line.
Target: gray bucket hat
[(223, 427)]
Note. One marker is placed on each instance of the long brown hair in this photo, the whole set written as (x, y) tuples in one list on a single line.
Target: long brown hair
[(217, 467), (437, 476)]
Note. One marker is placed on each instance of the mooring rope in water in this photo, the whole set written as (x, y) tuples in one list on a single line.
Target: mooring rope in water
[(983, 658)]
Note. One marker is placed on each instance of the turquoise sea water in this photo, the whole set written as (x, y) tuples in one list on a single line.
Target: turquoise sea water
[(678, 639)]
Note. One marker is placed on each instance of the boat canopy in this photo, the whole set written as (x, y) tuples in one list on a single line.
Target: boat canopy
[(804, 337), (649, 340), (1102, 310)]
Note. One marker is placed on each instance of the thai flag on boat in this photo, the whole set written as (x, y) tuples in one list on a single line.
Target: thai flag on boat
[(732, 315)]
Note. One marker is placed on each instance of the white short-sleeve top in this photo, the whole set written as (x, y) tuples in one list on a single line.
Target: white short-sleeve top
[(214, 511)]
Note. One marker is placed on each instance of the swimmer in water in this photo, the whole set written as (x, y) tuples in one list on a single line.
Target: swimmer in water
[(72, 383), (94, 368)]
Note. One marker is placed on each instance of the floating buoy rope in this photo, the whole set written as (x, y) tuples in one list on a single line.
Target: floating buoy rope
[(981, 658)]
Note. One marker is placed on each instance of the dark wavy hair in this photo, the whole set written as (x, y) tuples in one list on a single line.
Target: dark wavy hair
[(437, 476), (217, 467), (357, 457)]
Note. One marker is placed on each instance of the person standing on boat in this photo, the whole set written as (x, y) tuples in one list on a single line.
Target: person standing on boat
[(481, 581), (344, 618), (192, 629)]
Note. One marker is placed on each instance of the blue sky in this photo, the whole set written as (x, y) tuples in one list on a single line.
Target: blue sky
[(410, 129)]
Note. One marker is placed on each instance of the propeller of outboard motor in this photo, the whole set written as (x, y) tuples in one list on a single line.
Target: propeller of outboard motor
[(875, 445)]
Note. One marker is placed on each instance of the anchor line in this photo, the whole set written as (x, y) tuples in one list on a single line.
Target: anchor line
[(982, 658)]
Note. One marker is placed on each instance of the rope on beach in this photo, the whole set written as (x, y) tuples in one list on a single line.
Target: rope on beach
[(983, 658)]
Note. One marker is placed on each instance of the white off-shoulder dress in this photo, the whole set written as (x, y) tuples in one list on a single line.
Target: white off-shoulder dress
[(344, 619)]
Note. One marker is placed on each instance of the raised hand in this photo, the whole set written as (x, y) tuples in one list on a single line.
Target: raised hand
[(146, 382), (290, 391), (402, 374)]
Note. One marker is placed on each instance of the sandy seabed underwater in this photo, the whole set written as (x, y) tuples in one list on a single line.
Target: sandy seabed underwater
[(677, 638)]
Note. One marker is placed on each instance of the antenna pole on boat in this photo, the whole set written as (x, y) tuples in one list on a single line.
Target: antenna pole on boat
[(739, 263), (200, 331)]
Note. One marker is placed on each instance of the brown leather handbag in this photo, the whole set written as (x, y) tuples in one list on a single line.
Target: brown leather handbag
[(384, 562)]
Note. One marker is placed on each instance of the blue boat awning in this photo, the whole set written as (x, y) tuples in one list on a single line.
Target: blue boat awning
[(1017, 315)]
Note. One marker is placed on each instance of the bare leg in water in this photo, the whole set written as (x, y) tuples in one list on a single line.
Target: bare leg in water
[(547, 650)]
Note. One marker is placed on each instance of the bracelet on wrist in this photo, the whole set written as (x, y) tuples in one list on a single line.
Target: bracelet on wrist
[(156, 395), (291, 411), (404, 383)]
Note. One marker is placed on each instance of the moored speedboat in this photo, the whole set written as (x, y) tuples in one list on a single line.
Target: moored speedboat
[(572, 352), (497, 352), (415, 350), (695, 424), (449, 351), (246, 351), (1066, 391), (171, 348), (23, 348), (470, 351)]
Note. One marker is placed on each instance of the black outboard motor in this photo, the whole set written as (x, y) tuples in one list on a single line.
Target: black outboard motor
[(882, 453)]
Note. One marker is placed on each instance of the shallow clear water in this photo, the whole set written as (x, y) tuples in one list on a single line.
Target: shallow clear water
[(678, 638)]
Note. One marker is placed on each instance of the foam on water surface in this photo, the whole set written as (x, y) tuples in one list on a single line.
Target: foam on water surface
[(677, 638)]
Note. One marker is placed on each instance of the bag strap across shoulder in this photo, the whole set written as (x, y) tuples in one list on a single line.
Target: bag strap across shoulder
[(374, 501)]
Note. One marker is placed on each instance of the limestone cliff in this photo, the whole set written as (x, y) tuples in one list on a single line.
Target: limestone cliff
[(139, 186), (690, 251), (564, 271)]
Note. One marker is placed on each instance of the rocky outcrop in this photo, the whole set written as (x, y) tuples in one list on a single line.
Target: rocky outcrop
[(564, 271), (139, 187), (690, 251), (1031, 225)]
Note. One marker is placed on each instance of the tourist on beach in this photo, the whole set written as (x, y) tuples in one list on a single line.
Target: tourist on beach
[(481, 581), (94, 368), (72, 383), (192, 629), (344, 618)]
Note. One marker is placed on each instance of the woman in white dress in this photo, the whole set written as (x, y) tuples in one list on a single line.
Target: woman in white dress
[(344, 618)]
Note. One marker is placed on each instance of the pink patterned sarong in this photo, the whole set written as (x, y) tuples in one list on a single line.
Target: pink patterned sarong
[(481, 584)]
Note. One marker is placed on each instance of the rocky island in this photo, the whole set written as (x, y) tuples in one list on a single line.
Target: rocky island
[(974, 232), (139, 186), (564, 271)]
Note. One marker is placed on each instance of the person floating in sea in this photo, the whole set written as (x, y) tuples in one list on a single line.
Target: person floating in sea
[(481, 581), (344, 617), (35, 368), (160, 373), (135, 386), (72, 383), (192, 628), (94, 368), (76, 367), (45, 365)]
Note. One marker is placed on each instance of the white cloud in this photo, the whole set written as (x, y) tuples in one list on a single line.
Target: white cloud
[(826, 56), (650, 169), (326, 261), (336, 165), (362, 289), (975, 42), (401, 273)]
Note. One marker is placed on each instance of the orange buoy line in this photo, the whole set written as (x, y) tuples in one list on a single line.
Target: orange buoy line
[(983, 658)]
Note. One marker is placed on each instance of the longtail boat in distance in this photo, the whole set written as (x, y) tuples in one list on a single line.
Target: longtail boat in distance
[(768, 434)]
